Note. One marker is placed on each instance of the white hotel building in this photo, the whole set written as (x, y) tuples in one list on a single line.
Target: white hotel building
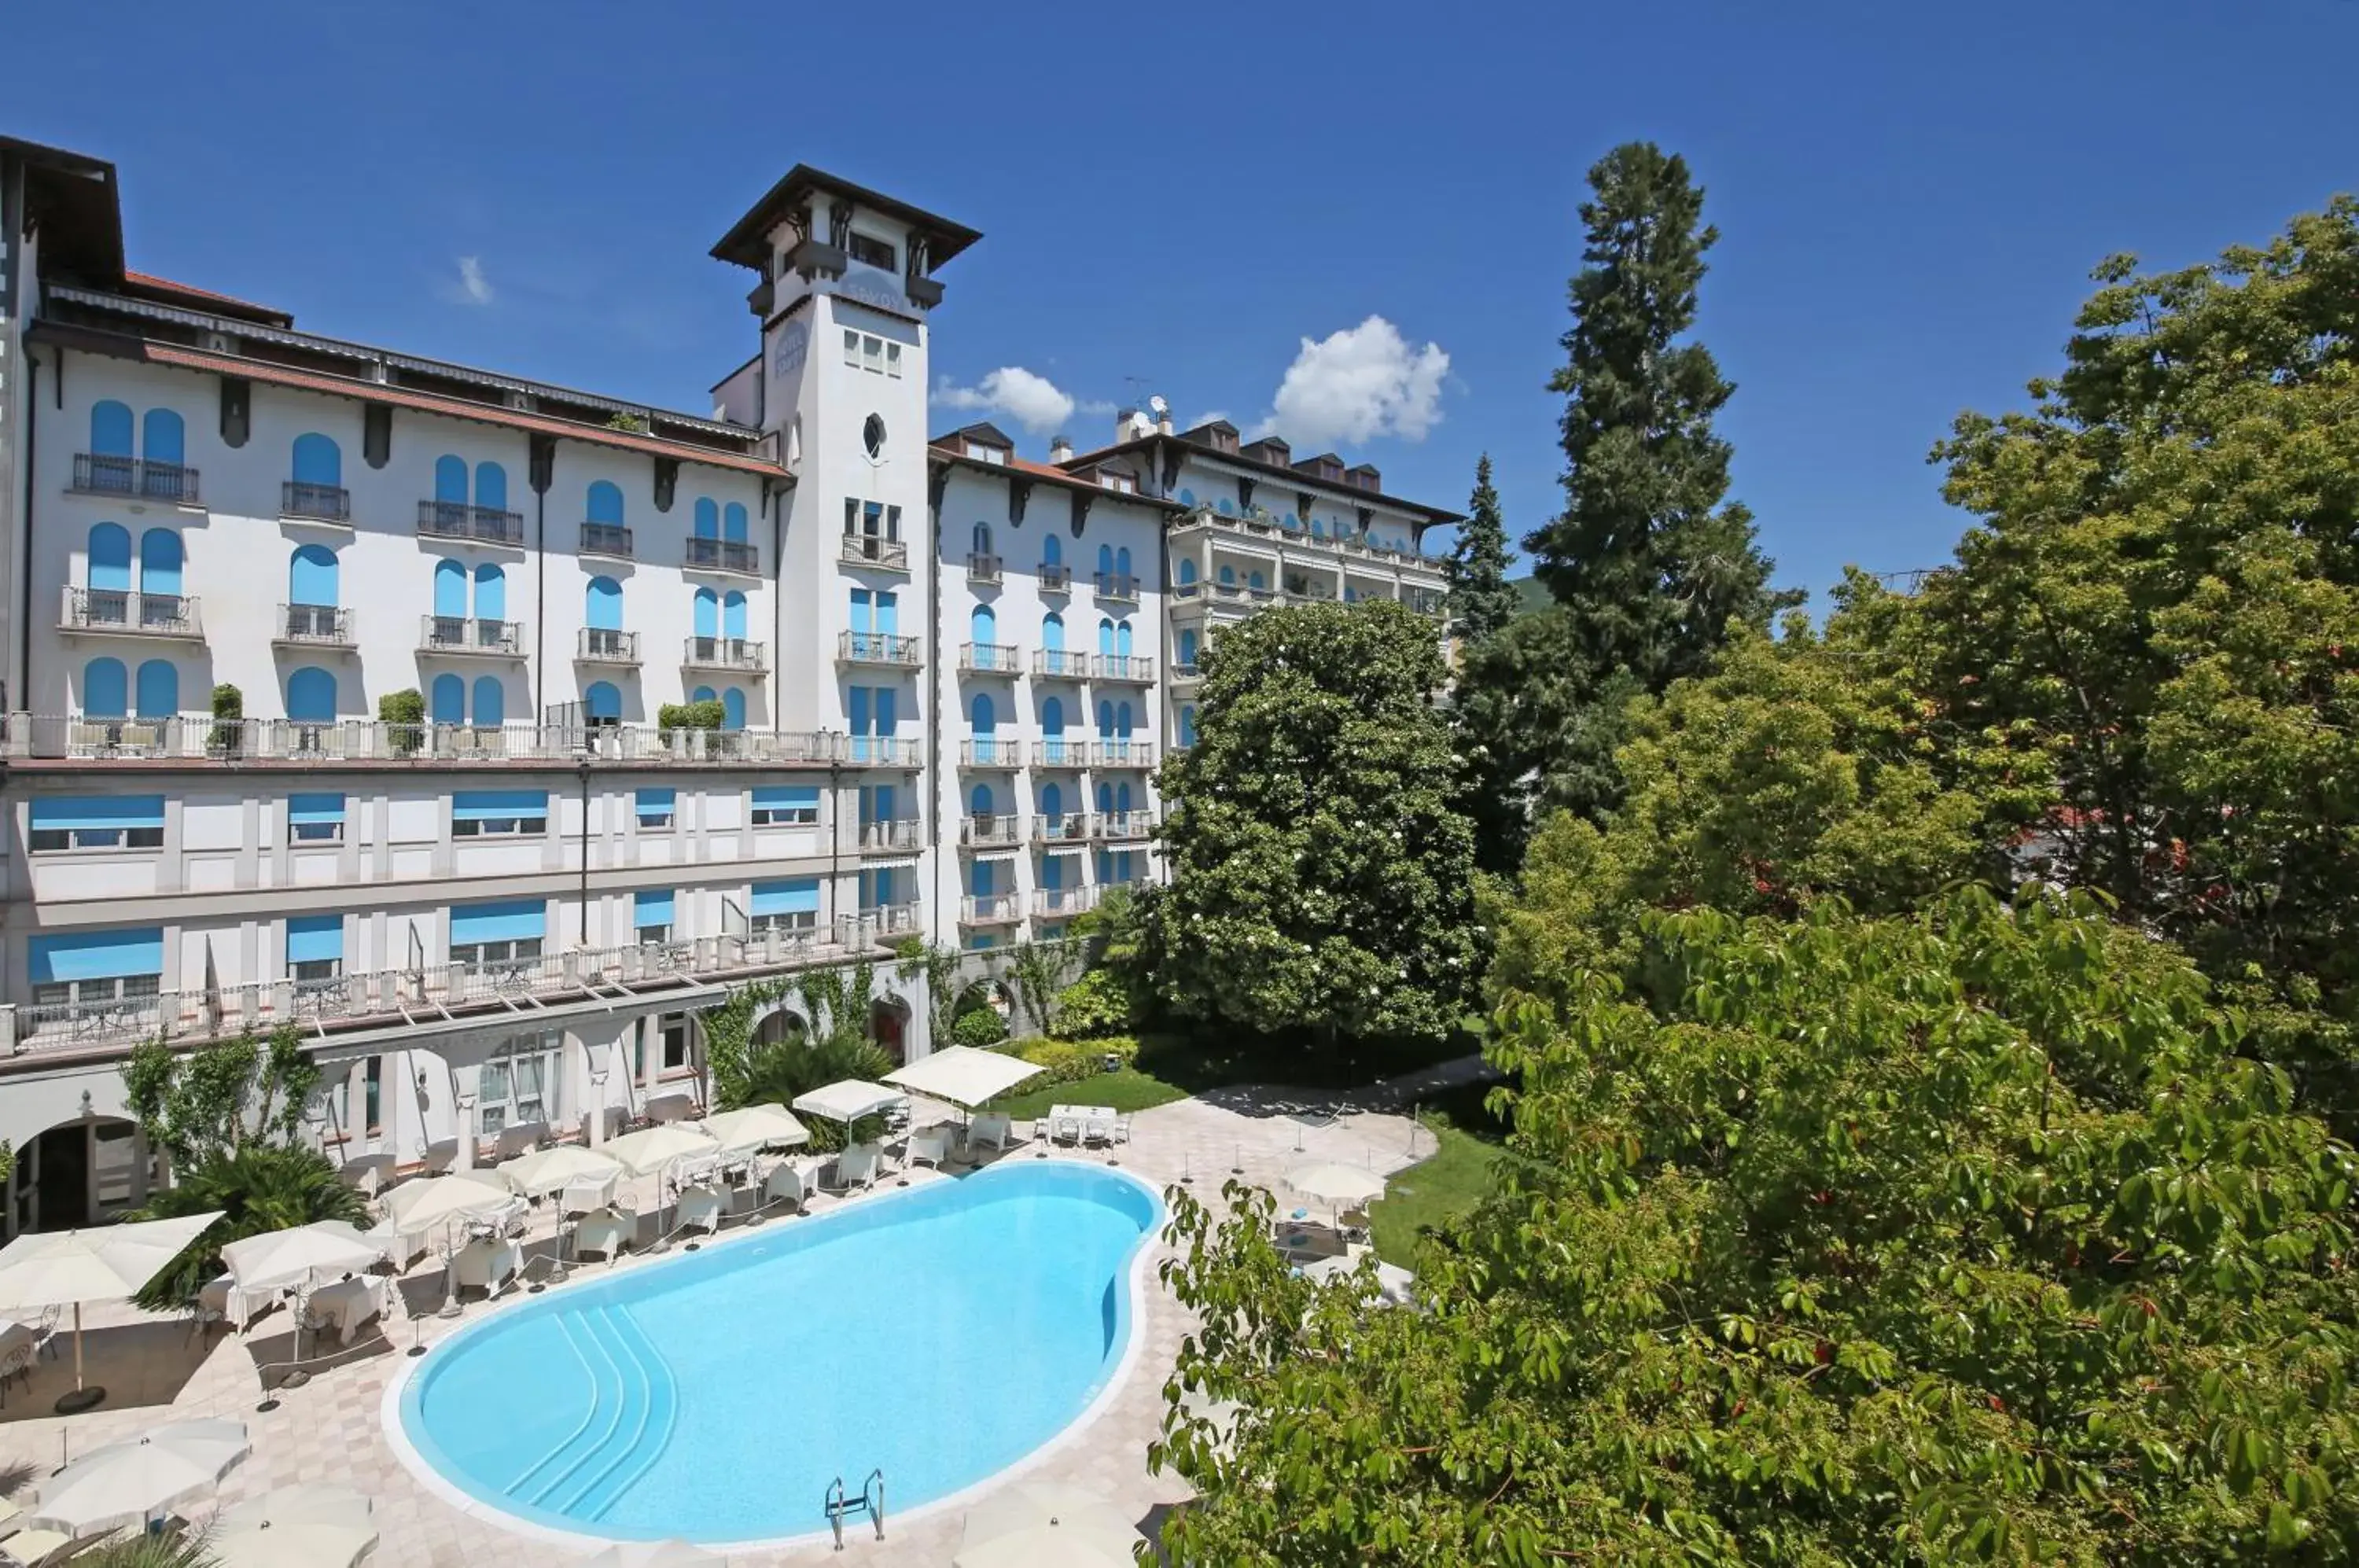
[(946, 675)]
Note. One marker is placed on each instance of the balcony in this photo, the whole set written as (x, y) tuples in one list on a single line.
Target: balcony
[(882, 751), (1066, 827), (982, 568), (1119, 586), (119, 612), (988, 658), (877, 648), (476, 524), (1133, 668), (606, 539), (1428, 601), (1118, 825), (722, 555), (724, 653), (878, 923), (247, 741), (989, 909), (1124, 754), (313, 626), (892, 835), (1258, 526), (465, 637), (1186, 674), (1055, 577), (997, 830), (1057, 664), (99, 473), (881, 554), (991, 751), (597, 645), (1056, 751), (315, 502), (1055, 903)]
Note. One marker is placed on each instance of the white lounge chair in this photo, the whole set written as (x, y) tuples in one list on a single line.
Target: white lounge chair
[(606, 1233), (994, 1130), (786, 1186), (701, 1208), (856, 1167), (35, 1548), (929, 1148)]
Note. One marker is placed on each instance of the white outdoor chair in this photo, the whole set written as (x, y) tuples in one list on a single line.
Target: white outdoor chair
[(586, 1197), (701, 1208), (1097, 1130), (929, 1148), (994, 1130), (856, 1167), (606, 1233), (395, 1246), (786, 1186)]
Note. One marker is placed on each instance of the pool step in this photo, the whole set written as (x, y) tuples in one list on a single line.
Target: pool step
[(623, 1390), (600, 1371), (652, 1433)]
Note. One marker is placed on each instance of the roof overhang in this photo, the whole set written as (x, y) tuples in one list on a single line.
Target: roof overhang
[(747, 242)]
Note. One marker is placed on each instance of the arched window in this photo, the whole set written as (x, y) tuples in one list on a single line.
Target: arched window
[(1122, 722), (1053, 632), (602, 704), (446, 702), (1187, 573), (1256, 582), (982, 717), (701, 694), (1228, 577), (1105, 799), (983, 626), (1122, 797), (980, 540), (1122, 638), (732, 522), (450, 480), (491, 487), (163, 438), (1227, 509), (158, 690), (1291, 521), (1188, 725), (606, 502), (1318, 527), (1106, 721), (1106, 559), (110, 428), (707, 612), (733, 615), (978, 800), (708, 518), (491, 701), (1052, 550), (1052, 801), (311, 695), (733, 709), (450, 590), (1188, 646), (110, 557), (159, 564), (318, 460), (311, 575), (1053, 718), (1122, 562), (602, 605), (491, 592), (103, 689), (978, 880), (1105, 635), (1187, 496)]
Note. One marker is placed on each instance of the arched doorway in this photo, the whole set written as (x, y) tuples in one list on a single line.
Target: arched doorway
[(888, 1025), (79, 1173), (779, 1025)]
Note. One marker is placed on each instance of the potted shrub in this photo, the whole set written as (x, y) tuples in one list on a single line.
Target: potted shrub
[(403, 713), (229, 714)]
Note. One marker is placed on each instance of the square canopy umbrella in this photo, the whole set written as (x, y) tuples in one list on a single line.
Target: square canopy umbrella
[(112, 1263), (848, 1100), (289, 1257), (127, 1484), (962, 1075)]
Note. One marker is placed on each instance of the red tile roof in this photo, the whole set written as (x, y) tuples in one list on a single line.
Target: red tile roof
[(148, 283)]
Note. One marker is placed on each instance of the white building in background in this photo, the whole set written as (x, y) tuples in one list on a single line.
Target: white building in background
[(334, 682)]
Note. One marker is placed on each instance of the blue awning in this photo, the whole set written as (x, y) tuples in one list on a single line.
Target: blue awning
[(652, 799), (474, 805), (315, 808), (652, 908), (311, 938), (785, 797), (508, 919), (797, 896), (97, 955), (98, 812)]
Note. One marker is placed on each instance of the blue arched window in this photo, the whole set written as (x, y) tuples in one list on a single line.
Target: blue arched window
[(1318, 527), (318, 460), (984, 626), (708, 518), (491, 701), (110, 428), (159, 564), (162, 437), (1122, 722), (491, 592), (978, 800), (1053, 632), (158, 690), (311, 695), (701, 694), (1105, 635), (1187, 573), (1187, 496), (733, 615), (1188, 645), (110, 557), (707, 619), (1106, 559), (104, 693), (1106, 721), (602, 605), (1291, 521), (601, 703), (1052, 551), (1052, 871), (732, 522), (1256, 582), (733, 709), (606, 502), (1053, 718), (978, 539), (978, 880), (982, 717), (1122, 797), (1226, 508), (1228, 577), (1052, 801), (446, 702), (1105, 799), (450, 480), (1122, 638), (450, 590), (1122, 562), (491, 487), (311, 575), (1188, 725)]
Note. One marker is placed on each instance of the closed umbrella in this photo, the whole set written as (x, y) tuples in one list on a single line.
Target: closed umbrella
[(546, 1171), (1066, 1514), (649, 1149), (125, 1485), (1333, 1183), (112, 1263), (756, 1127), (284, 1257), (650, 1554)]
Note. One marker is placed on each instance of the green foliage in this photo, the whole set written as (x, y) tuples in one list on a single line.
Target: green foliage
[(779, 1071), (630, 424), (835, 1006), (221, 1098), (980, 1028), (259, 1187), (939, 970), (137, 1549), (407, 706), (228, 707), (1071, 1061), (1492, 752), (1969, 1236), (705, 715), (1038, 972), (1481, 603), (1321, 879), (1095, 1006)]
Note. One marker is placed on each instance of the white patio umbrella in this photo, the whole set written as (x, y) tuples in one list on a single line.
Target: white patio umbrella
[(316, 1503), (1048, 1546), (1074, 1513), (847, 1100), (284, 1257), (649, 1149), (125, 1485), (756, 1127), (295, 1527), (1394, 1283), (650, 1554), (420, 1205), (112, 1263), (1333, 1183), (963, 1075), (552, 1170)]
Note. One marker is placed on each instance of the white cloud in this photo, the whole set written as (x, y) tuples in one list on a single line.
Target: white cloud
[(1356, 384), (1033, 401), (471, 288)]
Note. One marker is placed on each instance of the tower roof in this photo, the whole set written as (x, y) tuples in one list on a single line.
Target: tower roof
[(747, 242)]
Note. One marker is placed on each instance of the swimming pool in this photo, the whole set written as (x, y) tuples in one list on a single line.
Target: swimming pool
[(940, 1335)]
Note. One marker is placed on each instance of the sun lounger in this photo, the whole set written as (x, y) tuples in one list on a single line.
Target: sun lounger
[(33, 1548)]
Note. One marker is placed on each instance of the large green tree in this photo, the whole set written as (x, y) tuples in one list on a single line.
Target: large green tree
[(1486, 699), (1649, 562), (1481, 600), (1966, 1238), (1321, 877)]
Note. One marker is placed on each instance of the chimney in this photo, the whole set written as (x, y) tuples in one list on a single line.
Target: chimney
[(1061, 451), (1162, 416), (1122, 423)]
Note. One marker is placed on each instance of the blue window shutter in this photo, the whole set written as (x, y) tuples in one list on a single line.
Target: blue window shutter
[(1122, 562), (800, 896), (160, 562), (652, 908), (158, 693), (859, 702), (318, 460), (733, 615), (1121, 639), (491, 592), (105, 689), (785, 797), (1052, 801), (450, 481), (978, 800), (1052, 633), (884, 703), (1106, 636), (602, 605), (311, 938), (701, 694), (311, 576), (1052, 550), (708, 612), (59, 811), (978, 880), (708, 518), (602, 700), (508, 919), (162, 437), (732, 522), (982, 625), (862, 611), (450, 590), (449, 701), (97, 955), (491, 701), (110, 428), (889, 613), (492, 486), (1106, 559), (1053, 718), (110, 557), (653, 800), (1052, 871), (477, 804), (606, 503), (983, 718), (733, 709), (315, 808)]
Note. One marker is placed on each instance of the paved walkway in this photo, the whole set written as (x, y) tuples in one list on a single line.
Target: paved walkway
[(331, 1430)]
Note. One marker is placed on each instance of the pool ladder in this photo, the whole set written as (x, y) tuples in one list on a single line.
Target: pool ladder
[(870, 1502)]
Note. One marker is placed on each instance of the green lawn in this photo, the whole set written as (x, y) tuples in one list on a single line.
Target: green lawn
[(1443, 1185), (1128, 1090)]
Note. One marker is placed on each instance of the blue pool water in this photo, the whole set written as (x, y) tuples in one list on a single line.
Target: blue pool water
[(941, 1333)]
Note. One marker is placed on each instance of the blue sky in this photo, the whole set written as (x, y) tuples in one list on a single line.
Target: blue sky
[(1174, 199)]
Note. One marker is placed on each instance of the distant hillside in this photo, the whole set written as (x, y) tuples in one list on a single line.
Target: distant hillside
[(1530, 590)]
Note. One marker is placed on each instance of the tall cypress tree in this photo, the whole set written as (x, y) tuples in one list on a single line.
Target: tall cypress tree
[(1485, 720), (1481, 603), (1649, 560)]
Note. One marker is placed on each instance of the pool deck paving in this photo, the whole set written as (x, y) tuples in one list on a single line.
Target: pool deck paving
[(331, 1429)]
